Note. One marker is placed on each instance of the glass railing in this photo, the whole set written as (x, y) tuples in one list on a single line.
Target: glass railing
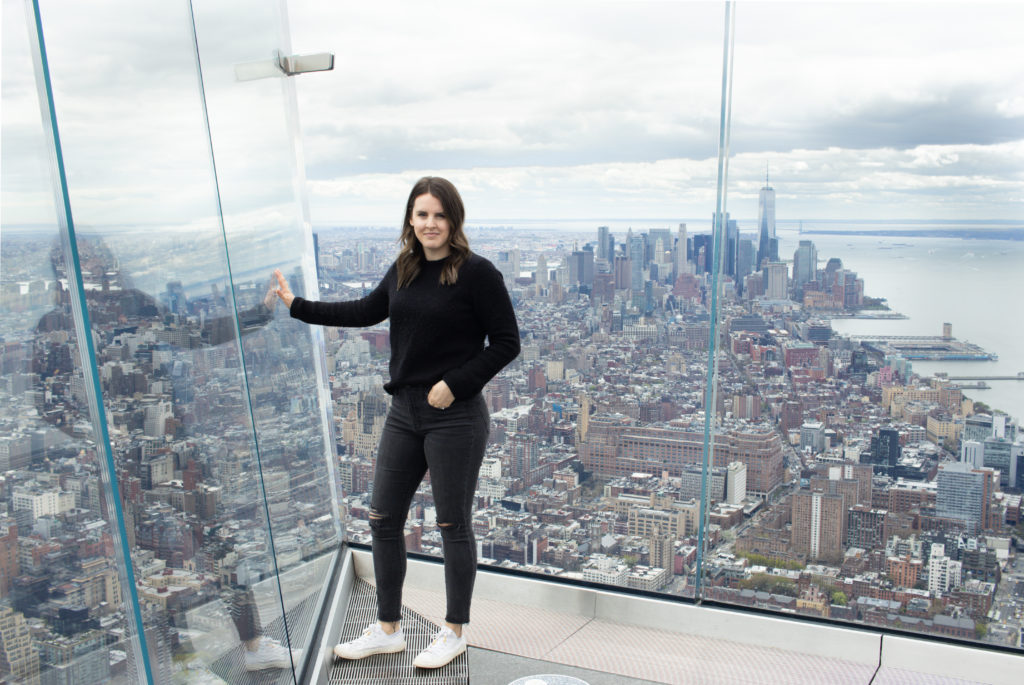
[(595, 465), (181, 460), (859, 331), (171, 495), (62, 588)]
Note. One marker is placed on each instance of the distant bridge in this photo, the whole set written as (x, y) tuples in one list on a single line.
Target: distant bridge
[(1018, 377)]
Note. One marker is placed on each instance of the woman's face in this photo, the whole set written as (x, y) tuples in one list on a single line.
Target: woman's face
[(430, 224)]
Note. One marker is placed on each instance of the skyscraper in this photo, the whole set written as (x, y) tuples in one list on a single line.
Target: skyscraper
[(805, 264), (657, 254), (576, 267), (587, 272), (943, 572), (680, 265), (963, 493), (818, 524), (766, 224), (602, 242), (777, 287), (886, 450), (623, 269), (17, 657), (636, 263), (524, 456), (542, 272), (730, 246), (978, 427), (662, 546), (744, 261), (581, 266), (735, 482), (702, 249)]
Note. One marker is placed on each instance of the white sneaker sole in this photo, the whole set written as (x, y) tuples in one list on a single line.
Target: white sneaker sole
[(343, 652), (427, 660), (268, 665)]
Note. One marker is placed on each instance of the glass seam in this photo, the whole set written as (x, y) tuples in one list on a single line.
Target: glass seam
[(310, 276), (83, 327), (710, 395), (316, 335)]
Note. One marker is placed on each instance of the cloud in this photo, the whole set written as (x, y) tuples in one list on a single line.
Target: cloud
[(538, 109), (859, 111), (831, 183)]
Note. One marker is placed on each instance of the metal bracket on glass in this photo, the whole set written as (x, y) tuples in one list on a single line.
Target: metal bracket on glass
[(301, 64), (284, 65)]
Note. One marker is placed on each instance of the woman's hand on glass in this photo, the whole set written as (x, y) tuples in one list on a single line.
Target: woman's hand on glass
[(440, 396), (270, 297), (282, 290)]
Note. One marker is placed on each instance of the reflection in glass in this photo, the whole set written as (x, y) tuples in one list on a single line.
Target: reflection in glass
[(63, 614), (254, 141), (214, 417)]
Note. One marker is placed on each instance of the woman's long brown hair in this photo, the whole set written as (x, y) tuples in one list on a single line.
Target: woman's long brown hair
[(411, 256)]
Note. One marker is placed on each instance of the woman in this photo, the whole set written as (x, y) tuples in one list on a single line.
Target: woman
[(443, 301)]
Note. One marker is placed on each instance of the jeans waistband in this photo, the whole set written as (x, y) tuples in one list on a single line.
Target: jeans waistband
[(413, 389)]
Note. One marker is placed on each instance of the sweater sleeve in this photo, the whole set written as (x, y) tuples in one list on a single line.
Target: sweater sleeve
[(493, 309), (365, 311)]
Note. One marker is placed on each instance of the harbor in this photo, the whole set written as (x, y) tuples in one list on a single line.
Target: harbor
[(926, 348)]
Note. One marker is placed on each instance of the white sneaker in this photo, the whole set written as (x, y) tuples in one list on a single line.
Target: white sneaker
[(445, 647), (373, 641), (271, 654)]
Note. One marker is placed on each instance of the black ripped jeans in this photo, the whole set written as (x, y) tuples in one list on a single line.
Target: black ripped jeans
[(450, 443)]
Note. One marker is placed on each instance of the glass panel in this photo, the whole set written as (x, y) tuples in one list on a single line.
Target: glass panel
[(872, 273), (65, 609), (254, 132), (167, 325)]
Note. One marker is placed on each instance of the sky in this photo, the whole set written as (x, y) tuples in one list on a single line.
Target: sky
[(611, 109), (536, 110)]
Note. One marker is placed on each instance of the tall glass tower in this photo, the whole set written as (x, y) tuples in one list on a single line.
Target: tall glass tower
[(767, 247)]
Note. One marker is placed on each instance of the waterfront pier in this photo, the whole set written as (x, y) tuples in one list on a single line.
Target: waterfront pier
[(925, 348)]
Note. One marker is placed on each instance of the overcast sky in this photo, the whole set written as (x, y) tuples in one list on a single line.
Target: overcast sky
[(611, 109), (560, 109)]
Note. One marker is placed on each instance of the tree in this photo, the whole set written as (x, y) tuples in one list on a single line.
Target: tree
[(771, 562), (839, 597), (763, 582)]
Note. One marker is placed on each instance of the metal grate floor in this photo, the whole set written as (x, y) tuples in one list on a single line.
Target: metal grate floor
[(391, 669), (231, 667)]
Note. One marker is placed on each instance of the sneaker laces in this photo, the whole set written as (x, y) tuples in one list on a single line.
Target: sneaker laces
[(369, 633), (440, 639)]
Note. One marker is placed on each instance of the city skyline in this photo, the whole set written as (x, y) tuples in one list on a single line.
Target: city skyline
[(824, 458), (174, 446)]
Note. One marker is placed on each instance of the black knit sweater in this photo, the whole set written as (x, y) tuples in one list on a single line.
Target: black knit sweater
[(437, 331)]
